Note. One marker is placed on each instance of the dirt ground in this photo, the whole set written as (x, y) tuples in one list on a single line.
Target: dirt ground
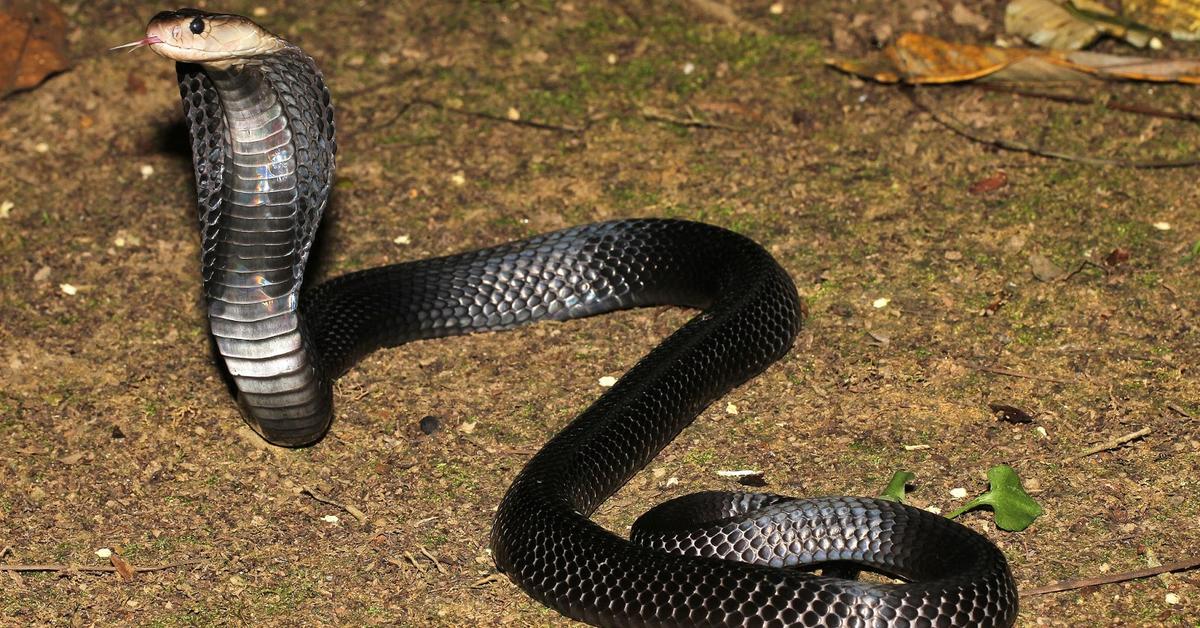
[(116, 430)]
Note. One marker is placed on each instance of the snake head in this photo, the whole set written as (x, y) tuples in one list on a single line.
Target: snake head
[(218, 40)]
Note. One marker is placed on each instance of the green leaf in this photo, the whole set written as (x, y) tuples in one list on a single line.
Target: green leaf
[(1015, 509), (895, 488)]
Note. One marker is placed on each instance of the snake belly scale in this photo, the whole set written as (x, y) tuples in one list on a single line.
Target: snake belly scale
[(262, 133)]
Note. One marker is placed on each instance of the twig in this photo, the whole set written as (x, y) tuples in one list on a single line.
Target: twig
[(312, 492), (1003, 371), (1068, 585), (533, 124), (1171, 406), (961, 129), (657, 115), (433, 559), (1082, 266), (1111, 443), (1072, 99), (105, 568)]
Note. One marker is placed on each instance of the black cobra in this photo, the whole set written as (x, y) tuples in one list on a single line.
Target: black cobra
[(262, 134)]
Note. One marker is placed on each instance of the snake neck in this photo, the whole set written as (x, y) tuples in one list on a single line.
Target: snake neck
[(263, 146)]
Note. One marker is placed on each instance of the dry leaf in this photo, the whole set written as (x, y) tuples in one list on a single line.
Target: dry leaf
[(921, 59), (1180, 18), (989, 184), (123, 568), (1070, 26), (32, 44), (71, 459)]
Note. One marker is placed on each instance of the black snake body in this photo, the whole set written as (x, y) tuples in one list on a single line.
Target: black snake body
[(263, 145)]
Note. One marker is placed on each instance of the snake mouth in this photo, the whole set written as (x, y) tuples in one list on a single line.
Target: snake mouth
[(148, 40)]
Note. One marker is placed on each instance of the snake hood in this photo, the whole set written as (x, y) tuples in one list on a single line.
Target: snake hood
[(217, 40)]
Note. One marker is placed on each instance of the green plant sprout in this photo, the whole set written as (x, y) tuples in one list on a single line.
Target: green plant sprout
[(1015, 510)]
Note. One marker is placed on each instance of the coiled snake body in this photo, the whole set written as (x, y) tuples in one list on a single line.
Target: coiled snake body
[(262, 133)]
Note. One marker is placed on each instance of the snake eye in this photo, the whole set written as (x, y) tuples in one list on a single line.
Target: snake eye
[(197, 26)]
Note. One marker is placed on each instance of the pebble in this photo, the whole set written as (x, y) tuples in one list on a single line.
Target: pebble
[(671, 481), (104, 552), (776, 8), (430, 424), (731, 408), (689, 67), (458, 179), (259, 12), (5, 209), (1171, 598), (147, 171), (68, 289), (608, 381), (402, 239), (41, 147), (513, 114), (330, 519), (958, 493), (880, 303), (1162, 226)]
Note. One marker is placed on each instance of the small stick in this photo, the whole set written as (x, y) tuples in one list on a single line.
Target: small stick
[(311, 492), (1112, 443), (960, 129), (433, 559), (656, 115), (1068, 585), (1003, 371), (106, 568), (1171, 406)]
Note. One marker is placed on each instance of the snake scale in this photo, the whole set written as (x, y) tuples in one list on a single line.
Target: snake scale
[(262, 135)]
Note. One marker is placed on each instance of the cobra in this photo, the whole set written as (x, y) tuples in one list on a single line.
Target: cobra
[(263, 143)]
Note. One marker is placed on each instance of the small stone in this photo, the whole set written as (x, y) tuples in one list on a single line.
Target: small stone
[(458, 179), (104, 552), (958, 493), (731, 408), (1171, 598), (41, 147), (1162, 226), (933, 509), (119, 242), (402, 239), (689, 68), (147, 171), (42, 274), (611, 59), (1040, 431), (671, 481), (68, 289), (880, 303), (952, 256), (513, 114), (608, 381), (330, 519), (6, 209), (430, 424), (259, 12), (776, 8)]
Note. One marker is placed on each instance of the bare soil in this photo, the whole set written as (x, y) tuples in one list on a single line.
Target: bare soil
[(116, 430)]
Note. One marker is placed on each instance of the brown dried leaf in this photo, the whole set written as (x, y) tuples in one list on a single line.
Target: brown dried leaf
[(1180, 18), (124, 569), (32, 44), (1117, 257), (989, 184), (920, 59)]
